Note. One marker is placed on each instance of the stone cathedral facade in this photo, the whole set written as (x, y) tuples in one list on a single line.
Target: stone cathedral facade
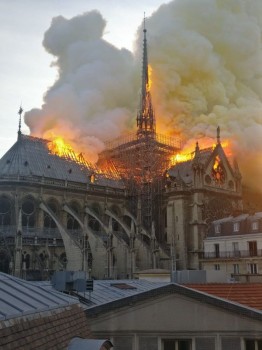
[(59, 212)]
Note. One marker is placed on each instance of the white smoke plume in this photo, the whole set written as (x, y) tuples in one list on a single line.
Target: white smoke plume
[(207, 71), (94, 95), (206, 63)]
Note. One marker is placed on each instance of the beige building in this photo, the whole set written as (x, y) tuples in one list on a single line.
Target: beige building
[(140, 316), (234, 245)]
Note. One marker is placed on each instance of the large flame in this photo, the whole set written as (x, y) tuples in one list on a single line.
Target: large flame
[(188, 152), (60, 147)]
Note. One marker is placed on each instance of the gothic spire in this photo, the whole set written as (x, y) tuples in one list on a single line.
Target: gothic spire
[(145, 115)]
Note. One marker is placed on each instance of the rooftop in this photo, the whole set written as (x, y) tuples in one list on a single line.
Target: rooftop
[(19, 298), (31, 157), (249, 294)]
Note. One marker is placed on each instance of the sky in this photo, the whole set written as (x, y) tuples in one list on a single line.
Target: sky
[(26, 71)]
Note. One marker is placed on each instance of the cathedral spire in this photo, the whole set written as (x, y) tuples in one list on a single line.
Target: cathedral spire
[(145, 115)]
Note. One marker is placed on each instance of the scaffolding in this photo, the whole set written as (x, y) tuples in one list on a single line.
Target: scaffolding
[(141, 161)]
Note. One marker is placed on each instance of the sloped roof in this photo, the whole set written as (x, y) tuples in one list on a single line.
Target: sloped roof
[(249, 294), (30, 157), (106, 291), (106, 297), (19, 297), (184, 170)]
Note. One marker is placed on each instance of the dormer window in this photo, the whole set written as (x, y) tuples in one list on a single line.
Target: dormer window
[(255, 225), (217, 228), (236, 227)]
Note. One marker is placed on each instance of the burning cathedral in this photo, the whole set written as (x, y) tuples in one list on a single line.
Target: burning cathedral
[(135, 209)]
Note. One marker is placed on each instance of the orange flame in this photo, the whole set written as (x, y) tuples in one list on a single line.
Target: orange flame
[(59, 147), (180, 158), (149, 83)]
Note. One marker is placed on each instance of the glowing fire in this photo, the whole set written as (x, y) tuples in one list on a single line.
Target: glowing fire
[(180, 158), (188, 153), (59, 147), (149, 83)]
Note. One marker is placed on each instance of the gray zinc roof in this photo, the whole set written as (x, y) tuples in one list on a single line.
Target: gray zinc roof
[(19, 297), (31, 157), (106, 291), (184, 170), (104, 298)]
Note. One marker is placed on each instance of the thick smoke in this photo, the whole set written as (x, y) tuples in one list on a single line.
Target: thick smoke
[(94, 97), (207, 71)]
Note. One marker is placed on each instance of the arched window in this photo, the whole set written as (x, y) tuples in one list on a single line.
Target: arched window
[(48, 221), (5, 211), (28, 212)]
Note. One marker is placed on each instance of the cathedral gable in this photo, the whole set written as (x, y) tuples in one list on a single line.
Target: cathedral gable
[(218, 172)]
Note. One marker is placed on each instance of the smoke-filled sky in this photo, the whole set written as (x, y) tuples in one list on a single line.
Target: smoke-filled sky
[(25, 72), (206, 63)]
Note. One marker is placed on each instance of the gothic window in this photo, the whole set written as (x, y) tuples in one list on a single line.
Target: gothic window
[(28, 213), (48, 221), (72, 223), (5, 211), (93, 223), (218, 172)]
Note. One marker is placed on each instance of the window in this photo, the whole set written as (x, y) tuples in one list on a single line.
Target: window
[(235, 268), (217, 267), (231, 343), (252, 246), (252, 268), (236, 227), (217, 228), (255, 225), (177, 344), (216, 246), (205, 343), (146, 343), (235, 248), (253, 344)]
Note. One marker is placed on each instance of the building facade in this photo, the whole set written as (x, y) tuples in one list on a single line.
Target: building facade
[(234, 245)]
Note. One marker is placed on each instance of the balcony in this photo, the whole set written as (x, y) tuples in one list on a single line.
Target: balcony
[(232, 254)]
